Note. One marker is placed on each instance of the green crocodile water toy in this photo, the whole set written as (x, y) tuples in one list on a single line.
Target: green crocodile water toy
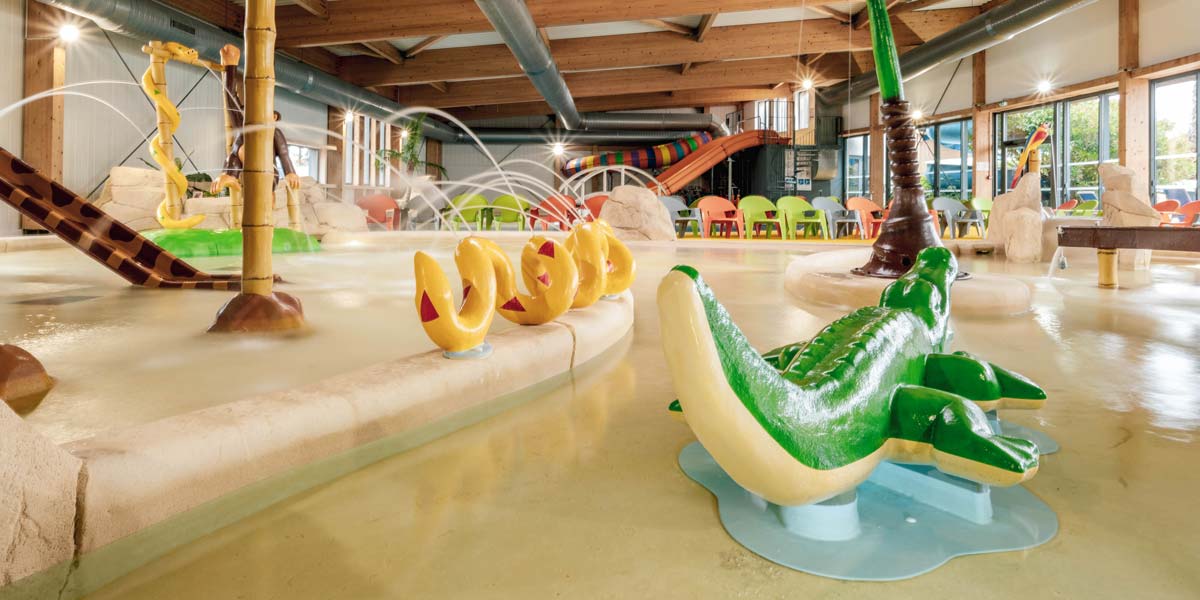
[(808, 421)]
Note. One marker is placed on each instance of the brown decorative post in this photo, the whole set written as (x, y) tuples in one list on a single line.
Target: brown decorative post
[(258, 308), (909, 227)]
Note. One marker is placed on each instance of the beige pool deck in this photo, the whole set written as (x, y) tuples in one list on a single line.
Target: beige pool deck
[(575, 491)]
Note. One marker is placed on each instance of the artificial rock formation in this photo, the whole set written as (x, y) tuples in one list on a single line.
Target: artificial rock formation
[(38, 485), (132, 194), (1125, 208), (1016, 221), (636, 214)]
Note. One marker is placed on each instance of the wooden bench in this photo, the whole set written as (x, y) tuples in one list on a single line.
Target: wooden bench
[(1106, 241)]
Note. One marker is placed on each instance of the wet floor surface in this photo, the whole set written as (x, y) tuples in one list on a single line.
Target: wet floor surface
[(577, 494)]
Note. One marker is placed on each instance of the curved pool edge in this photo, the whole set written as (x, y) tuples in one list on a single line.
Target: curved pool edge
[(824, 278), (196, 472)]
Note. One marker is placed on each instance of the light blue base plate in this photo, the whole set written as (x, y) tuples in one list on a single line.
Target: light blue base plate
[(483, 350), (900, 538)]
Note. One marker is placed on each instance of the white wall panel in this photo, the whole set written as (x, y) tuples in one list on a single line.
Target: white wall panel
[(1168, 29), (1076, 46), (12, 52)]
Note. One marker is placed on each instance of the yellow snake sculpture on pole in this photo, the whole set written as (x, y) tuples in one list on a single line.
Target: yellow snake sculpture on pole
[(162, 148), (559, 277)]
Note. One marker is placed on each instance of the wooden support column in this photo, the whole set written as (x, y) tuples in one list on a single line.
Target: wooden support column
[(334, 158), (433, 156), (45, 69), (1134, 114), (876, 155), (982, 129)]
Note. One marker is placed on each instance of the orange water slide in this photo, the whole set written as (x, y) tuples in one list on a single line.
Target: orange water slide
[(713, 153)]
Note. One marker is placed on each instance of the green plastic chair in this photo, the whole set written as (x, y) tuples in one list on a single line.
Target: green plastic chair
[(1090, 208), (471, 210), (983, 205), (761, 211), (510, 209), (798, 211)]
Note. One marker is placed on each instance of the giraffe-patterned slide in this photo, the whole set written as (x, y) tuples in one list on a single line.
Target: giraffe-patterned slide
[(97, 234)]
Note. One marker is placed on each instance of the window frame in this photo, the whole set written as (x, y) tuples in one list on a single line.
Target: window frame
[(865, 168), (1153, 121)]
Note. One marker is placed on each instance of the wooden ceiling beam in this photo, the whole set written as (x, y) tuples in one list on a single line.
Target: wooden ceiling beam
[(706, 23), (385, 51), (680, 99), (646, 49), (355, 21), (440, 86), (745, 73), (669, 26), (837, 15), (422, 45), (316, 8)]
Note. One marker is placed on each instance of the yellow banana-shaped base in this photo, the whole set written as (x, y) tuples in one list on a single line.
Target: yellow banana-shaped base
[(464, 328), (168, 223)]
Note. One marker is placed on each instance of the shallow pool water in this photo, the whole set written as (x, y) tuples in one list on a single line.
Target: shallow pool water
[(577, 494), (125, 356)]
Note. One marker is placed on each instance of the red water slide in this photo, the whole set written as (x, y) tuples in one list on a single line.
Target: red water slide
[(713, 153)]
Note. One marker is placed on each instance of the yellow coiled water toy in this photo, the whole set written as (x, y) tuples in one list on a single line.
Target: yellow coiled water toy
[(550, 275), (462, 329), (591, 264), (154, 84)]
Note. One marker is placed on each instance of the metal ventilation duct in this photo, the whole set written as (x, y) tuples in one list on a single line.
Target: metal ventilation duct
[(512, 21), (988, 29)]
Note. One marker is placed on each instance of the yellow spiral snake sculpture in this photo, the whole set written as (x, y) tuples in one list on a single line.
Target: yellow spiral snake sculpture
[(154, 85), (559, 277)]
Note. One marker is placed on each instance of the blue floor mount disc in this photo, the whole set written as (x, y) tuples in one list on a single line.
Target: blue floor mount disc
[(891, 535)]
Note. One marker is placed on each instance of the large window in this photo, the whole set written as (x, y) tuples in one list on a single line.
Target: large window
[(1083, 134), (363, 140), (1174, 173), (945, 155), (772, 114), (855, 164), (308, 161)]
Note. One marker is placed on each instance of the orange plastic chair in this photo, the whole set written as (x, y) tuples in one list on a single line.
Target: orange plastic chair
[(594, 203), (715, 210), (1166, 211), (870, 213), (555, 210), (377, 207), (1065, 208), (1191, 215)]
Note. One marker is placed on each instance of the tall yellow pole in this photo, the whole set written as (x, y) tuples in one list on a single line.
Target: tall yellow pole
[(164, 144), (258, 176), (258, 308)]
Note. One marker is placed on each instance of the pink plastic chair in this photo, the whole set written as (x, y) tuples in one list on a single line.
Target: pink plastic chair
[(555, 210), (870, 213), (715, 210), (377, 207), (594, 203)]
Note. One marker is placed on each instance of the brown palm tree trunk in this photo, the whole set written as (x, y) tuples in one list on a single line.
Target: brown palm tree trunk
[(258, 308)]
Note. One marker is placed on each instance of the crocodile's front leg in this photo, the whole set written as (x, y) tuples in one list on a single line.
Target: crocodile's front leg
[(949, 431), (989, 386)]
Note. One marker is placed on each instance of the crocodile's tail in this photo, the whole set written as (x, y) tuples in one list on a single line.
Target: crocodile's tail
[(925, 291)]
